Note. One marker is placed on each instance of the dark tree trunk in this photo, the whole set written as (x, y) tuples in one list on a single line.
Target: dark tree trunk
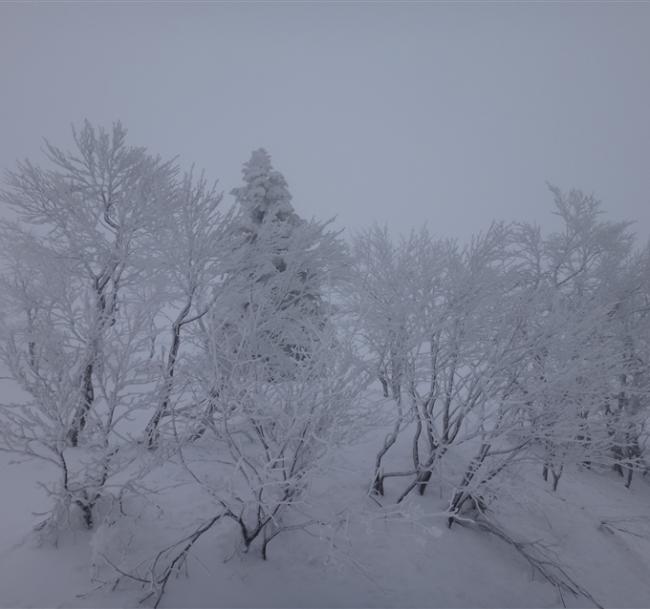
[(384, 385), (105, 316), (81, 414), (152, 433), (556, 478), (423, 480)]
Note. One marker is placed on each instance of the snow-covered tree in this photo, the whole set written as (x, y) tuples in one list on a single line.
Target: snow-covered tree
[(90, 211), (77, 329), (440, 324), (264, 198), (268, 437), (281, 270), (586, 281), (189, 254), (277, 383)]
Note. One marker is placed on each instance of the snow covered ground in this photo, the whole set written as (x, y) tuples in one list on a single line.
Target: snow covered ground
[(370, 557)]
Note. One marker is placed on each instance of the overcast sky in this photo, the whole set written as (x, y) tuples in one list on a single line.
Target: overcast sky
[(401, 113)]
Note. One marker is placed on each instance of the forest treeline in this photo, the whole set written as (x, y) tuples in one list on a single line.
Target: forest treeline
[(147, 320)]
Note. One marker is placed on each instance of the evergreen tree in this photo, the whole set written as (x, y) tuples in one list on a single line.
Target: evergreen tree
[(282, 264)]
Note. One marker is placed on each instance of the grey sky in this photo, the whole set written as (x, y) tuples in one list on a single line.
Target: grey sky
[(450, 114)]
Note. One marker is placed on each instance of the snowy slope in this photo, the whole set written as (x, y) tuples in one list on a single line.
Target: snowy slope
[(372, 557)]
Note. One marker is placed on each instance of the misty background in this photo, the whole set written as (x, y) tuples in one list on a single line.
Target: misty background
[(400, 113)]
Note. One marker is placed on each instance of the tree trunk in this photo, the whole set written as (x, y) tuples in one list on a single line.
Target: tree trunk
[(152, 434), (81, 414)]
